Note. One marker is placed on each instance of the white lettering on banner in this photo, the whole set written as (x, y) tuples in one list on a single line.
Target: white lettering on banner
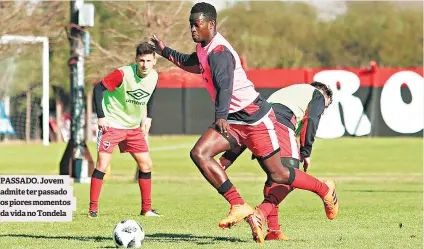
[(355, 120), (400, 116)]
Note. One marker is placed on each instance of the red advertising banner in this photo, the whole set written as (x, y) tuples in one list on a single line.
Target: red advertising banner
[(367, 101), (282, 77)]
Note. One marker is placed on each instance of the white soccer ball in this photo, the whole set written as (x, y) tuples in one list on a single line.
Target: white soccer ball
[(128, 234)]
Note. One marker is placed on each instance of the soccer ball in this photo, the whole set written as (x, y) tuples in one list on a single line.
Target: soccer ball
[(128, 234)]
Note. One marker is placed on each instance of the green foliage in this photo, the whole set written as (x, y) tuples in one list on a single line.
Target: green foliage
[(373, 31), (269, 34), (272, 34), (290, 34), (22, 71), (59, 67), (121, 26), (45, 19)]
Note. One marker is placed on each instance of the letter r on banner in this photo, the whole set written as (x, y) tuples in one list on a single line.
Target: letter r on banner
[(355, 121)]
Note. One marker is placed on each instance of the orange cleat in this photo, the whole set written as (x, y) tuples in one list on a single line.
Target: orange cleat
[(276, 235), (237, 213), (256, 222), (331, 204)]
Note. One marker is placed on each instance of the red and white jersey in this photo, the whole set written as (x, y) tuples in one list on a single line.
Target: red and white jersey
[(243, 92)]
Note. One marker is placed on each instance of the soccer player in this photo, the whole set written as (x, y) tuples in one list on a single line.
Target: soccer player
[(121, 105), (298, 109), (242, 116)]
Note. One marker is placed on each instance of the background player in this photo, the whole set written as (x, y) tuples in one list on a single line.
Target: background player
[(121, 104), (241, 116), (298, 109)]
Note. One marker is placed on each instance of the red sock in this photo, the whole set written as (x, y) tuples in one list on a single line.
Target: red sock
[(267, 188), (266, 207), (273, 220), (233, 197), (276, 194), (145, 184), (308, 182), (95, 189)]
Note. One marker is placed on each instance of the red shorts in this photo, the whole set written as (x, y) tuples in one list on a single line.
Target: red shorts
[(128, 140), (261, 138), (287, 141)]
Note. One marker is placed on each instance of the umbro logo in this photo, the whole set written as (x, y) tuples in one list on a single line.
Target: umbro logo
[(138, 94)]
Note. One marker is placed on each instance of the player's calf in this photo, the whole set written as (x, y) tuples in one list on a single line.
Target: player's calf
[(145, 185), (95, 189), (145, 182), (276, 172)]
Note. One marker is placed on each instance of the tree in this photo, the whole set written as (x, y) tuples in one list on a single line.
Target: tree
[(272, 34), (27, 18), (378, 31), (120, 26), (290, 34)]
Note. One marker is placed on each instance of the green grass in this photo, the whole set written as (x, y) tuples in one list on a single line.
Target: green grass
[(380, 186)]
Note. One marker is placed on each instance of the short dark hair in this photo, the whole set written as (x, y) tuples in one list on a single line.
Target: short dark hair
[(144, 48), (323, 87), (207, 9)]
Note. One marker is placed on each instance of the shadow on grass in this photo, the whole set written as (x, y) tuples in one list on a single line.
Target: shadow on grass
[(196, 239), (381, 191), (80, 238), (157, 237)]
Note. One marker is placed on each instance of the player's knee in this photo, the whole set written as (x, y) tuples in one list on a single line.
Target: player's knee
[(268, 182), (146, 168), (193, 155), (282, 175), (102, 168), (145, 165), (290, 162), (197, 154), (102, 165), (277, 178)]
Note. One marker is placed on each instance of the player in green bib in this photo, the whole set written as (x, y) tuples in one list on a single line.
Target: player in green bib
[(121, 105)]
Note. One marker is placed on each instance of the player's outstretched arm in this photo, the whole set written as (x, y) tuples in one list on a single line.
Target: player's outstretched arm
[(187, 62)]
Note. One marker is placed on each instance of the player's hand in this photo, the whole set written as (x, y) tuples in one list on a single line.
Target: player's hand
[(147, 123), (103, 124), (306, 163), (223, 126), (159, 44), (224, 162)]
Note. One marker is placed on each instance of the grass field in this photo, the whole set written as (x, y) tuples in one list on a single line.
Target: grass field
[(380, 189)]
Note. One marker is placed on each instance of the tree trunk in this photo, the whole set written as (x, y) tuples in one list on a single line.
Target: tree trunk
[(28, 117)]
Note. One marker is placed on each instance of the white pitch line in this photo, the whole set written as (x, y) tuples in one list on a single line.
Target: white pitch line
[(172, 147), (261, 177)]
